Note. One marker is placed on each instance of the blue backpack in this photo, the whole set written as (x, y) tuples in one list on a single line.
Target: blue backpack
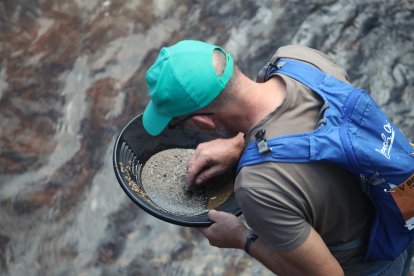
[(355, 134)]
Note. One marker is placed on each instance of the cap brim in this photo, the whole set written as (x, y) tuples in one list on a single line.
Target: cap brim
[(153, 121)]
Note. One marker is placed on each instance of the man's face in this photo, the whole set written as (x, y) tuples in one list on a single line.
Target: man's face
[(220, 130), (223, 133), (192, 122)]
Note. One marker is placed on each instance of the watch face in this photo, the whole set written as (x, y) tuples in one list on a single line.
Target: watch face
[(252, 237)]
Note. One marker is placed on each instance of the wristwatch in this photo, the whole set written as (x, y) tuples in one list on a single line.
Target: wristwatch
[(249, 240)]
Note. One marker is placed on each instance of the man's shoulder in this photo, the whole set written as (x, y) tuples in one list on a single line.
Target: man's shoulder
[(314, 57)]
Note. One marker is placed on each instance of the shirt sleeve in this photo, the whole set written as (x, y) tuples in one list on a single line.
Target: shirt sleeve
[(274, 215)]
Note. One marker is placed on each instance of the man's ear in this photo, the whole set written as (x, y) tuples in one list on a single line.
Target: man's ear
[(204, 121)]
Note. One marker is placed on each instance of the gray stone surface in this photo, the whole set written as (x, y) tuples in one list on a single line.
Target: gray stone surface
[(72, 74)]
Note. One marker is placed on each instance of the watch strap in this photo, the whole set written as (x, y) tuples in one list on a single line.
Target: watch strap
[(249, 240)]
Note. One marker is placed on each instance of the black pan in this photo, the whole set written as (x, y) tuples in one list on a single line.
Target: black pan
[(134, 147)]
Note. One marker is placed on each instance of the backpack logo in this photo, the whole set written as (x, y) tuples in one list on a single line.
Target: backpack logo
[(387, 140)]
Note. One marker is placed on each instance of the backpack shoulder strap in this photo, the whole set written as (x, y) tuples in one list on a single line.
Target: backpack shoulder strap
[(303, 72), (333, 91), (289, 148)]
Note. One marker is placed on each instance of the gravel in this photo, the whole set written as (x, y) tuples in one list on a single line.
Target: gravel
[(163, 180)]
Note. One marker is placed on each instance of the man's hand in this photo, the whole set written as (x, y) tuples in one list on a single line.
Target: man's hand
[(213, 158), (227, 231)]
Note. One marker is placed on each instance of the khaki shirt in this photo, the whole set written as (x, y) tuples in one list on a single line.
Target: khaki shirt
[(282, 201)]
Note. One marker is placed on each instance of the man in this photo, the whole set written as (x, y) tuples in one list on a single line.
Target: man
[(301, 213)]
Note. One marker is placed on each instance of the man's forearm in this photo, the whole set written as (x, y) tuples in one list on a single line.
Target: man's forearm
[(268, 257), (310, 258)]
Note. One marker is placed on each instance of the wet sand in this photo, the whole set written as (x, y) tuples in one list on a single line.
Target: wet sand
[(163, 179)]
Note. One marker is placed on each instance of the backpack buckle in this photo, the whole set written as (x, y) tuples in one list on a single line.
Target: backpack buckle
[(280, 64), (410, 224), (262, 142)]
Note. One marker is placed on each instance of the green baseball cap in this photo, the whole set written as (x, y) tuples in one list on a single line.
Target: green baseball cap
[(181, 81)]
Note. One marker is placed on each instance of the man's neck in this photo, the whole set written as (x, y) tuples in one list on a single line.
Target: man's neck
[(263, 99)]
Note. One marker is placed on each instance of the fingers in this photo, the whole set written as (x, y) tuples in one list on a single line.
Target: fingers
[(194, 166), (199, 168), (213, 158), (203, 230), (214, 216), (227, 231), (206, 174), (192, 170)]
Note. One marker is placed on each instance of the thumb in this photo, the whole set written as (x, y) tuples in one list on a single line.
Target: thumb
[(213, 215)]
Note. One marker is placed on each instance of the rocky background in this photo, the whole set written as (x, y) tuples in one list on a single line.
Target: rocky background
[(72, 75)]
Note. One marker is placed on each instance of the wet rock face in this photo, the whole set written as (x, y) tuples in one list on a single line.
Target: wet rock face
[(72, 74)]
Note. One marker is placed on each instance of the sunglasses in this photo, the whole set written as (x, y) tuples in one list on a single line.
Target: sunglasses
[(175, 122)]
